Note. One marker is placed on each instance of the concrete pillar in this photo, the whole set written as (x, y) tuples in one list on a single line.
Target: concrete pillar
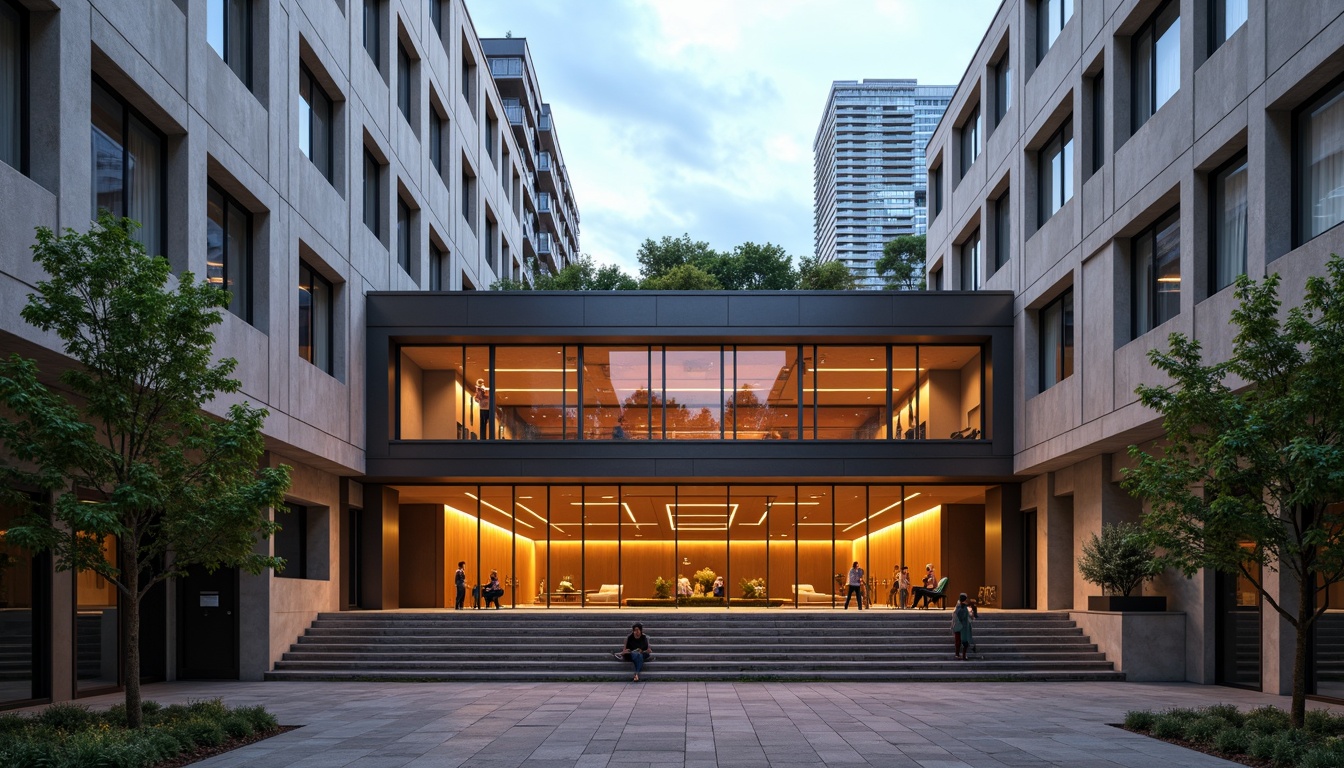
[(1096, 502), (1277, 636), (1055, 566), (381, 550), (1003, 543)]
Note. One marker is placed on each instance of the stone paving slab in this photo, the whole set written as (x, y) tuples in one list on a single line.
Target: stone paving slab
[(706, 725)]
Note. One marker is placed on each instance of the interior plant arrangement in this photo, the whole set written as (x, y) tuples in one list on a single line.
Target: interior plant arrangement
[(566, 584), (1119, 561), (662, 588), (753, 588), (705, 578)]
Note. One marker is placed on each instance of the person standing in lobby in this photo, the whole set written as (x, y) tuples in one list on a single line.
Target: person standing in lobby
[(903, 581), (854, 585), (460, 581)]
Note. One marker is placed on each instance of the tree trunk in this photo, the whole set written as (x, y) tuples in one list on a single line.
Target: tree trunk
[(130, 632), (1305, 587)]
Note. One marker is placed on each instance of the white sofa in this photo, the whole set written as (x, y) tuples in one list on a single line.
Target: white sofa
[(609, 593), (806, 594)]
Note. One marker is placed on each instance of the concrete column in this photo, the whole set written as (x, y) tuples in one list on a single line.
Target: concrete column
[(1096, 502), (1003, 543), (381, 550), (1277, 636), (1054, 548)]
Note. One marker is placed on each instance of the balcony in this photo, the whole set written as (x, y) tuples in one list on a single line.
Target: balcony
[(510, 67), (543, 240), (544, 160)]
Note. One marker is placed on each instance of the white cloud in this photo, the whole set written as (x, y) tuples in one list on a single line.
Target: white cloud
[(699, 115)]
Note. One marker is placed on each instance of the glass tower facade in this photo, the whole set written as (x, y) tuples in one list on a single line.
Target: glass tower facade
[(869, 180)]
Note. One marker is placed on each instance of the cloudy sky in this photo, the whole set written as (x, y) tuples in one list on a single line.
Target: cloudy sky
[(698, 116)]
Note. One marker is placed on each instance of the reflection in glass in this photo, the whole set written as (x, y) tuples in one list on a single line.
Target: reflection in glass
[(529, 395), (616, 400), (18, 616), (693, 382), (763, 401), (97, 639)]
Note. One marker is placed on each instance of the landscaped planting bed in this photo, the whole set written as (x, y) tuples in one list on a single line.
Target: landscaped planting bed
[(71, 736), (1260, 737)]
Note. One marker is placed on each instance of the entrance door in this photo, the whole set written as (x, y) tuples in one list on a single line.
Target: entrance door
[(1237, 629), (208, 625)]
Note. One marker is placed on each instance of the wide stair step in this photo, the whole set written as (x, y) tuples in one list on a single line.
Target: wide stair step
[(689, 645)]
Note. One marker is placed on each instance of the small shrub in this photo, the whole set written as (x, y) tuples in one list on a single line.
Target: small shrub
[(200, 733), (1203, 730), (66, 717), (1228, 712), (1322, 757), (662, 588), (12, 723), (1232, 741), (1169, 725), (1323, 723), (1268, 719), (1289, 747), (1262, 747), (261, 720), (236, 726), (1140, 720)]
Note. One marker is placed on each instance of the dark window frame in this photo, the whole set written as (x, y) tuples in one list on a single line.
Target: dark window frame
[(437, 256), (405, 221), (129, 112), (1333, 90), (372, 31), (436, 131), (1150, 279), (314, 277), (1217, 11), (1003, 229), (22, 116), (1142, 109), (405, 97), (970, 280), (935, 193), (249, 263), (1003, 87), (1064, 351), (1045, 24), (299, 514), (1238, 163), (969, 142), (327, 164), (373, 204), (247, 47), (1045, 187), (1097, 85)]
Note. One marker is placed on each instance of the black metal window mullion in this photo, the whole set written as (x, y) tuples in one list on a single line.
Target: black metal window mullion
[(890, 399), (578, 385)]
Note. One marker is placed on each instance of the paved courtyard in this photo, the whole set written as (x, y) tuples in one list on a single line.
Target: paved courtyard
[(701, 725)]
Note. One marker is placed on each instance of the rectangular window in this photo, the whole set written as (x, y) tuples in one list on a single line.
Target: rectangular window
[(468, 81), (436, 267), (315, 123), (373, 194), (970, 263), (291, 542), (1225, 18), (228, 249), (1051, 16), (1156, 62), (1228, 239), (436, 141), (373, 32), (1098, 128), (316, 302), (1003, 234), (404, 82), (936, 190), (1057, 340), (491, 232), (1319, 160), (936, 279), (404, 235), (128, 167), (1003, 88), (13, 86), (1157, 274), (436, 14), (468, 197), (970, 141), (228, 28), (491, 131), (1054, 172)]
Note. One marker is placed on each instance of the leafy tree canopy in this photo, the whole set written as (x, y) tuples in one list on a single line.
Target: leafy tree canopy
[(816, 275), (683, 277), (902, 263), (123, 443), (1253, 466), (659, 258)]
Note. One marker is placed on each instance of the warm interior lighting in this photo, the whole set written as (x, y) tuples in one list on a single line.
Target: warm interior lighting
[(497, 509), (884, 509), (730, 511), (607, 504)]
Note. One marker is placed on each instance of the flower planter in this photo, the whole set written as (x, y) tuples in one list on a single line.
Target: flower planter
[(704, 602), (1148, 603)]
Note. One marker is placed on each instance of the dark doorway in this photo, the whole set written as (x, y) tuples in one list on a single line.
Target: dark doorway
[(353, 566), (1237, 631), (1029, 559), (208, 625), (154, 635)]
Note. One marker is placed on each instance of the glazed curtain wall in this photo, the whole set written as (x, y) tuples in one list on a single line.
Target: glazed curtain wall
[(600, 545), (712, 392)]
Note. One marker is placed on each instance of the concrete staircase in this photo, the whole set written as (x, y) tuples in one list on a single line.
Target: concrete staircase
[(690, 644)]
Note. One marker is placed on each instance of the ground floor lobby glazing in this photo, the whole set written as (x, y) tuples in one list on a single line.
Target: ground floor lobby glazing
[(600, 546)]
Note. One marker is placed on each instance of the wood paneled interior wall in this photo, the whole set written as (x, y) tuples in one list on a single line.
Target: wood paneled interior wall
[(434, 538), (923, 544), (421, 558), (963, 548)]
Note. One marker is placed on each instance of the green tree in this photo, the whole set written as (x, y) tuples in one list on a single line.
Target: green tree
[(177, 487), (610, 277), (659, 258), (816, 275), (753, 267), (902, 263), (683, 277), (1254, 458), (581, 274)]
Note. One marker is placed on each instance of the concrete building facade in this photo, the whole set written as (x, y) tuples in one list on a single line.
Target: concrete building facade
[(1145, 154), (868, 182), (300, 154)]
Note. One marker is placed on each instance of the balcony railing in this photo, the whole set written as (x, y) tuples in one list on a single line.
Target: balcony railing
[(506, 67), (544, 161), (544, 242), (544, 123)]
